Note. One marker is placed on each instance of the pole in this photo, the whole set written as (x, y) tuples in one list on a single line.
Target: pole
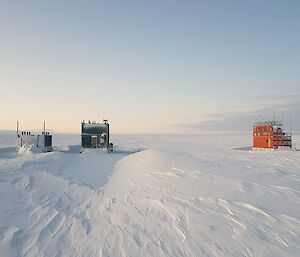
[(44, 126), (17, 128)]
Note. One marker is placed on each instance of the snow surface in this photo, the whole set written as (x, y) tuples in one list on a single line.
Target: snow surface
[(158, 195)]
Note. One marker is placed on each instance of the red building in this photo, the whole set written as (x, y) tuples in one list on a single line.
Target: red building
[(270, 135)]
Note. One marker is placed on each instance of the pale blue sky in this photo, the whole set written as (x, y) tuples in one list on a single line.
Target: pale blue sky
[(148, 66)]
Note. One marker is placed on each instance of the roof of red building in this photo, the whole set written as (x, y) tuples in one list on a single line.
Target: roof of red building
[(268, 123)]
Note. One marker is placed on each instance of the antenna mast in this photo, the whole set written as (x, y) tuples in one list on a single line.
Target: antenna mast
[(17, 128)]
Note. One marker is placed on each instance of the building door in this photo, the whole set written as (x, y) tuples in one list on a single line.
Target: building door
[(94, 141)]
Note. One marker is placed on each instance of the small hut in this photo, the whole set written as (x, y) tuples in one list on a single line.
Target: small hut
[(42, 140), (95, 135)]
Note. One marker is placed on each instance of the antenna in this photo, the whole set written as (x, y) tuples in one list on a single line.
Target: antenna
[(17, 128)]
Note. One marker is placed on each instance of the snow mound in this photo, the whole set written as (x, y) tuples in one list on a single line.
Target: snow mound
[(29, 149)]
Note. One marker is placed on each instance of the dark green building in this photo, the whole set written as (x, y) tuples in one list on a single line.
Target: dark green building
[(95, 135)]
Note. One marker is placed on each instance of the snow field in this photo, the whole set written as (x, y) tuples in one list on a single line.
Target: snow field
[(180, 196)]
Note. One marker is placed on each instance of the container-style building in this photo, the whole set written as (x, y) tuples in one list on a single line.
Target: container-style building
[(270, 135), (42, 140), (95, 135)]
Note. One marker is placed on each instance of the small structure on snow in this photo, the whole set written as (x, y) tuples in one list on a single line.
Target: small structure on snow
[(270, 135), (95, 135), (42, 141)]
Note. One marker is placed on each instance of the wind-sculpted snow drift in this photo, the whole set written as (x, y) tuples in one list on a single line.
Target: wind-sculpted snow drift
[(158, 202)]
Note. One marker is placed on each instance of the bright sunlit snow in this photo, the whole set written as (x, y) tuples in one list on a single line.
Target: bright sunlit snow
[(179, 195)]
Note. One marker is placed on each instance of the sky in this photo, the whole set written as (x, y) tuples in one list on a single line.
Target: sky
[(149, 66)]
